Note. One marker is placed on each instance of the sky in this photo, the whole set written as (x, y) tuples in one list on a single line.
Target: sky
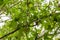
[(3, 18)]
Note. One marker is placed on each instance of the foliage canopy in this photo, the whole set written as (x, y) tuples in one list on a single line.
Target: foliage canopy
[(30, 19)]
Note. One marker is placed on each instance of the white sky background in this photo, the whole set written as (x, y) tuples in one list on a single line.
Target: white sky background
[(3, 18)]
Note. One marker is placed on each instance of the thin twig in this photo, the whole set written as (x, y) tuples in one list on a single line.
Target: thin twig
[(9, 33)]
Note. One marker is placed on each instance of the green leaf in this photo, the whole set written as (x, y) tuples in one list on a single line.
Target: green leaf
[(1, 2)]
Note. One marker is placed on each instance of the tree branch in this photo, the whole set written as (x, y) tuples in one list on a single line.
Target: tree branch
[(36, 36), (15, 31), (10, 33)]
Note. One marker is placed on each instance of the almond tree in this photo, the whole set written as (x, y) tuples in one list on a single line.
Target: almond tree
[(30, 19)]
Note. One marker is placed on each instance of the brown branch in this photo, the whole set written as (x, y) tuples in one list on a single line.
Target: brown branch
[(15, 31), (26, 25), (10, 33), (19, 28), (36, 36)]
